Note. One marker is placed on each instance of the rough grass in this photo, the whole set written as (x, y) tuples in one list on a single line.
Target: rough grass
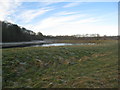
[(83, 41), (94, 66)]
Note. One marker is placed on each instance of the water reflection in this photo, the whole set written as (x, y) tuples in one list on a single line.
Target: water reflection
[(62, 44)]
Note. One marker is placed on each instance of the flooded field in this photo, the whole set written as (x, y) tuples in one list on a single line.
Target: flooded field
[(62, 44), (39, 44)]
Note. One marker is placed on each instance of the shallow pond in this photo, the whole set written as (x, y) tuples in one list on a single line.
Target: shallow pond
[(39, 44), (61, 44)]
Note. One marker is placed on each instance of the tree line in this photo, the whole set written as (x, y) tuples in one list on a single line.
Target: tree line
[(14, 33), (80, 37)]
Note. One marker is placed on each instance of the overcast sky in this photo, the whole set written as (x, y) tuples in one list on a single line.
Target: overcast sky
[(63, 18)]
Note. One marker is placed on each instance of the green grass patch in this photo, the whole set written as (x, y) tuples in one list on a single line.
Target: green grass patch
[(81, 66)]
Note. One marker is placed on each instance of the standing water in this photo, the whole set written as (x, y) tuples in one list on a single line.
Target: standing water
[(62, 44)]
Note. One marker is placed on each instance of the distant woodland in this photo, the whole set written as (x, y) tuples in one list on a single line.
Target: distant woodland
[(14, 33)]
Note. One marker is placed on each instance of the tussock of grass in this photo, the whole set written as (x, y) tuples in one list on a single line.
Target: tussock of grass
[(86, 66)]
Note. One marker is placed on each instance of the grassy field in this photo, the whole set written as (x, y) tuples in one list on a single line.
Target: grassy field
[(81, 66)]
